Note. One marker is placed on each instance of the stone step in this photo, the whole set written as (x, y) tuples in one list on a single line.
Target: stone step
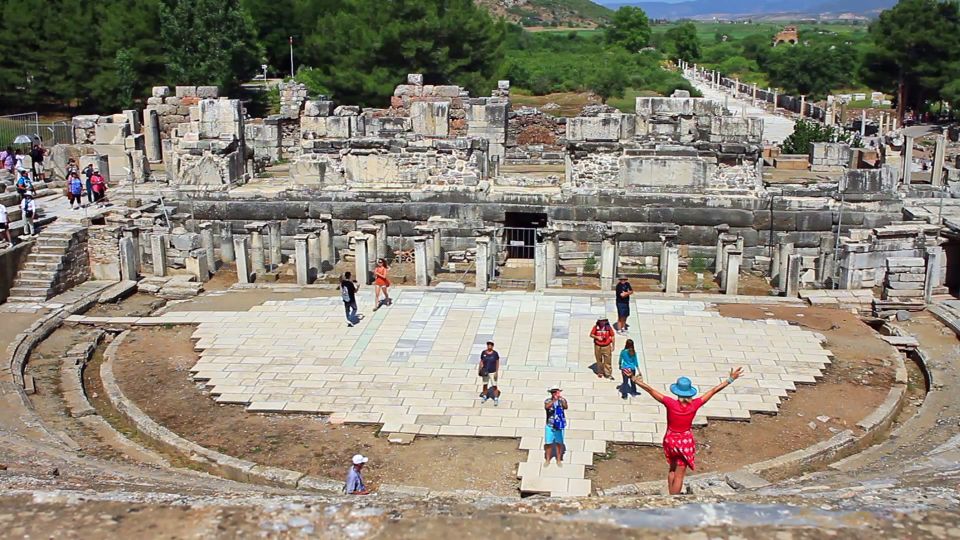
[(44, 258), (31, 283), (40, 249), (31, 293), (58, 241), (22, 300), (40, 266), (37, 274)]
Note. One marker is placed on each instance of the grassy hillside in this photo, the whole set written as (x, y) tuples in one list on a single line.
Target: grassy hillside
[(549, 13)]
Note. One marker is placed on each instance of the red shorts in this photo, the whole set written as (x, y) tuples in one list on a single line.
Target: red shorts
[(679, 448)]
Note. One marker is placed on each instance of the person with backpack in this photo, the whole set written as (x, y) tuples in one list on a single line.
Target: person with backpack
[(348, 293), (629, 366), (603, 339), (99, 186), (88, 174), (29, 210), (74, 190), (24, 184), (553, 444), (489, 367)]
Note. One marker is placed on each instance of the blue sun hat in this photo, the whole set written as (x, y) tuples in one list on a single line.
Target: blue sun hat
[(683, 388)]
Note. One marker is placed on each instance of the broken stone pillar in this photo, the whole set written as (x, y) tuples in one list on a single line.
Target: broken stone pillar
[(133, 233), (421, 260), (371, 239), (936, 175), (483, 262), (825, 260), (256, 248), (775, 263), (722, 276), (206, 241), (731, 274), (907, 172), (313, 255), (786, 250), (792, 276), (151, 136), (276, 253), (667, 239), (934, 272), (158, 249), (227, 254), (361, 259), (426, 231), (381, 235), (672, 283), (608, 260), (241, 251), (437, 239), (540, 266), (552, 254), (327, 251), (718, 256), (803, 105), (301, 259), (128, 259), (197, 265), (133, 120)]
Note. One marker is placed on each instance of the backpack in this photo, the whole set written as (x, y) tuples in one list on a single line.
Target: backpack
[(344, 292), (559, 420)]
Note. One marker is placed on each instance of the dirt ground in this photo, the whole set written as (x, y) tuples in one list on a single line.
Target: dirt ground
[(852, 386), (153, 370)]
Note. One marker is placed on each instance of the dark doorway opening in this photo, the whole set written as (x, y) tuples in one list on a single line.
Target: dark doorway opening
[(951, 251), (520, 233)]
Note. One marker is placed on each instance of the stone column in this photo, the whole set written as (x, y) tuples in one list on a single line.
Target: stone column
[(327, 251), (301, 259), (133, 233), (731, 275), (483, 262), (727, 248), (197, 265), (672, 283), (243, 259), (776, 100), (133, 119), (371, 239), (551, 241), (934, 273), (128, 259), (313, 255), (792, 276), (256, 248), (907, 172), (206, 241), (786, 250), (227, 254), (825, 260), (422, 262), (540, 266), (158, 249), (151, 136), (936, 178), (276, 240), (361, 259), (381, 235), (803, 105), (426, 231), (775, 263), (608, 261), (718, 255)]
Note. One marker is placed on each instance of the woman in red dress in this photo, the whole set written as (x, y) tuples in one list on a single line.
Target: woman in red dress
[(381, 284), (679, 446)]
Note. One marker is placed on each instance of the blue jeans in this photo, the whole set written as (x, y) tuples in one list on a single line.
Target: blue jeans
[(89, 191), (351, 309), (627, 384)]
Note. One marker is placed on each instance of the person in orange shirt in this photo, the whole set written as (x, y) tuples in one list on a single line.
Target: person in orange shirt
[(603, 340), (381, 283)]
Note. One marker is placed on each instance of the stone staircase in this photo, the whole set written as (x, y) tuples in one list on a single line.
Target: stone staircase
[(558, 481), (50, 268)]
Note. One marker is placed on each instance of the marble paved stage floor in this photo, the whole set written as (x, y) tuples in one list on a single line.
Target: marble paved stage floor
[(413, 366)]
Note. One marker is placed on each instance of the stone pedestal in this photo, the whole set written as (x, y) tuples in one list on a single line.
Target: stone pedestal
[(668, 239), (936, 178), (327, 251), (276, 244), (301, 259), (825, 260), (128, 260), (907, 171), (313, 255), (158, 249), (197, 265), (608, 260), (133, 233), (483, 262), (241, 250), (361, 259), (933, 278), (426, 231), (151, 136), (731, 274), (206, 241), (256, 248), (786, 250), (227, 254), (672, 283), (552, 254), (383, 250), (421, 260), (792, 276), (540, 266), (775, 263)]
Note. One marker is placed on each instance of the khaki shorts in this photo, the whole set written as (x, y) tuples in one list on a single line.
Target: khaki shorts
[(490, 379)]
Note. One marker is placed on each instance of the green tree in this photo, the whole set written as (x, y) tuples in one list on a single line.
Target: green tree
[(806, 132), (126, 78), (209, 42), (366, 48), (813, 70), (916, 51), (683, 42), (276, 22), (629, 29), (608, 79)]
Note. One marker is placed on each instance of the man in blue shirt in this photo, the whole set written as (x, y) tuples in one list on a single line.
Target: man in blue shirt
[(489, 366), (354, 485), (624, 290)]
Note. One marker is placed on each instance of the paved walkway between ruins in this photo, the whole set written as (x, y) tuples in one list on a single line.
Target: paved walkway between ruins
[(413, 366), (776, 128)]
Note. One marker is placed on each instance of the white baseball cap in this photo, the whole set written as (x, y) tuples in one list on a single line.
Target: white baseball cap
[(359, 458)]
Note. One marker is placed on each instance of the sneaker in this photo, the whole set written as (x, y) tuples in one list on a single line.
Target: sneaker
[(622, 396), (483, 399), (496, 402), (349, 325)]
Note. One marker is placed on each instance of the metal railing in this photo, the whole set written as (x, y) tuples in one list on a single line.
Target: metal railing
[(50, 133), (519, 242)]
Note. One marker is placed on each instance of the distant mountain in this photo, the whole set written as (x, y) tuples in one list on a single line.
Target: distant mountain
[(707, 9), (574, 13)]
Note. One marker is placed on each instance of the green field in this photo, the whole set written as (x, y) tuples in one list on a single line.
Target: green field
[(734, 31)]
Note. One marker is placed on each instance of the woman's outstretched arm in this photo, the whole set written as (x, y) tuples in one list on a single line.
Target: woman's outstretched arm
[(654, 393), (734, 375)]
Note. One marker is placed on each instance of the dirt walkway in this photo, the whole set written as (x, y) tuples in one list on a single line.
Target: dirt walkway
[(855, 384)]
